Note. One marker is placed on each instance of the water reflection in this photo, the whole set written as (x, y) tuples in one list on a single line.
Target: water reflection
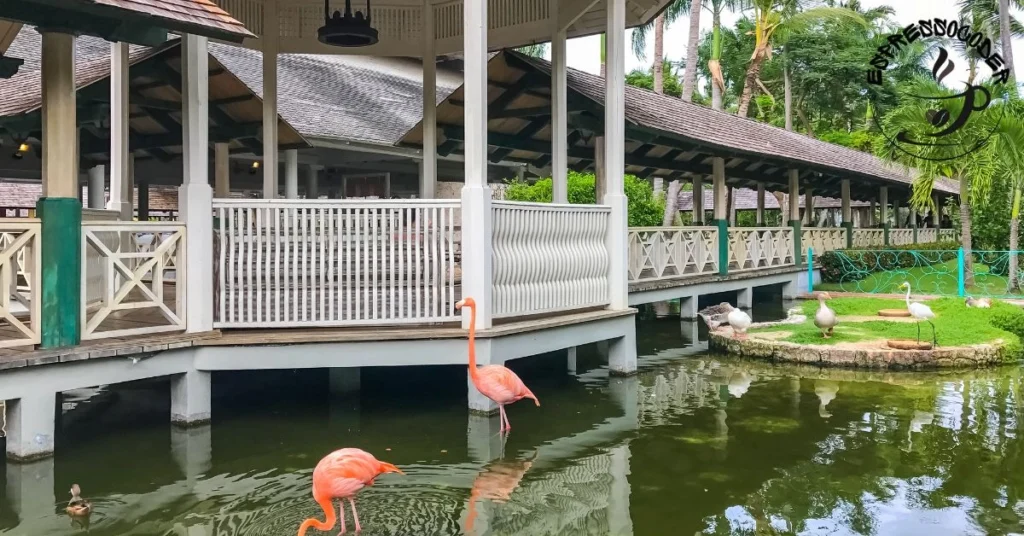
[(694, 444)]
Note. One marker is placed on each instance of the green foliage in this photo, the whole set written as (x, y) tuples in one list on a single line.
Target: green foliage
[(644, 210), (645, 79), (845, 265), (860, 140)]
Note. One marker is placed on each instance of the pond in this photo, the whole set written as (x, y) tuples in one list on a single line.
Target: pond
[(694, 444)]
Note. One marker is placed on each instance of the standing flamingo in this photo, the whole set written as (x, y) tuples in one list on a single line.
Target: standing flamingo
[(339, 475), (496, 382)]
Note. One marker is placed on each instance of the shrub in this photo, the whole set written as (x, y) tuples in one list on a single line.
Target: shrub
[(845, 265), (644, 210)]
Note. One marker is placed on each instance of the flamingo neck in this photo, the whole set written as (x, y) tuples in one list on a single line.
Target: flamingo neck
[(472, 343), (324, 525)]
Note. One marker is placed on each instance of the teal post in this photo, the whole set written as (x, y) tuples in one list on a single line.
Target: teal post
[(849, 234), (961, 289), (797, 249), (885, 233), (723, 246), (61, 270), (810, 270)]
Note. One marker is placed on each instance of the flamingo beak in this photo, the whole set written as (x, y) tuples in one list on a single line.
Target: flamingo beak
[(460, 304)]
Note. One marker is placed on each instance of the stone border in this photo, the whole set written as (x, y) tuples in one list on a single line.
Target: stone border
[(881, 357)]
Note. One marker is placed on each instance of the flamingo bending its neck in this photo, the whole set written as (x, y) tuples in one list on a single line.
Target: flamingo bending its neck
[(339, 475), (496, 382)]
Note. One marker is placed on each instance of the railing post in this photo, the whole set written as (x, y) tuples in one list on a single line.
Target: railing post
[(723, 246), (885, 233), (810, 270), (797, 238), (961, 287), (848, 225)]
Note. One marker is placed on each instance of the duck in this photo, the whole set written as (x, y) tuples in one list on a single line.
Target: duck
[(978, 303), (739, 321), (715, 315), (77, 506), (825, 318)]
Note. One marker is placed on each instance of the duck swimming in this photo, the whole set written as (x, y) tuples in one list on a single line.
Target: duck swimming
[(77, 506)]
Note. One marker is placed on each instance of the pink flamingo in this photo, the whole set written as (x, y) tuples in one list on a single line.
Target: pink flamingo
[(339, 475), (496, 382)]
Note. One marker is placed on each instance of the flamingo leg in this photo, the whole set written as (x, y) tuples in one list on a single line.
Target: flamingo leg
[(341, 516), (508, 425), (355, 515), (501, 419)]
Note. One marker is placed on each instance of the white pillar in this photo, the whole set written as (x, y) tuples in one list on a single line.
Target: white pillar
[(760, 203), (60, 135), (270, 46), (222, 170), (313, 181), (120, 189), (698, 200), (794, 195), (30, 425), (428, 168), (190, 397), (559, 118), (615, 154), (847, 212), (291, 174), (718, 185), (883, 202), (745, 298), (97, 188), (195, 197), (476, 195)]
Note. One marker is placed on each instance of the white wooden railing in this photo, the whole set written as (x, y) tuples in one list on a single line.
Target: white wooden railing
[(901, 237), (19, 282), (947, 235), (754, 248), (549, 257), (823, 239), (137, 297), (94, 262), (670, 252), (291, 263), (868, 237), (925, 236)]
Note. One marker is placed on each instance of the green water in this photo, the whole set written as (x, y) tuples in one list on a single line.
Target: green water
[(694, 444)]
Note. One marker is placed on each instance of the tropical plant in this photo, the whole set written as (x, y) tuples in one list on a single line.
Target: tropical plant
[(639, 38), (644, 208), (715, 59), (537, 50), (645, 79)]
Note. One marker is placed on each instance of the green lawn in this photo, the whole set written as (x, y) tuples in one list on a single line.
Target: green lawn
[(939, 279), (955, 324)]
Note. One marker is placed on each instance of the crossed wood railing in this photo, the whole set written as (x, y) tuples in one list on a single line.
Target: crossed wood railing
[(20, 282), (823, 239), (755, 248), (657, 253)]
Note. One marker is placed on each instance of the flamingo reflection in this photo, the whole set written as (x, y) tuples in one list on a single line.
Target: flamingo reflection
[(496, 482)]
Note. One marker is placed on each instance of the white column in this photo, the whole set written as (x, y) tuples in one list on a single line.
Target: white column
[(428, 169), (60, 135), (615, 153), (120, 190), (847, 212), (195, 197), (97, 177), (559, 118), (190, 397), (270, 45), (30, 425), (222, 170), (476, 196), (794, 195), (883, 202), (718, 185), (313, 181), (291, 174), (760, 203), (698, 199), (809, 206)]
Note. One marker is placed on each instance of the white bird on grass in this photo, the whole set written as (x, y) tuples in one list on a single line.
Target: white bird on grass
[(920, 311)]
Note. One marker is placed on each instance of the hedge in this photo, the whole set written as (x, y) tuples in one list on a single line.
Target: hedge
[(844, 265)]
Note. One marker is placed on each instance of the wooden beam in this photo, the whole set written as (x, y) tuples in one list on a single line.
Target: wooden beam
[(526, 132), (520, 113)]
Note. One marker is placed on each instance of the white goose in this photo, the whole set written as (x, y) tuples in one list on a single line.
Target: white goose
[(739, 321)]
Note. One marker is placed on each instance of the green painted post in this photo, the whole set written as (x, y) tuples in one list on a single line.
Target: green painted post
[(61, 292), (797, 249), (961, 285), (723, 246), (885, 233), (810, 270), (849, 234)]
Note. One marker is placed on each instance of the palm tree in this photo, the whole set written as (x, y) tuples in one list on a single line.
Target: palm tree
[(715, 63), (775, 19), (670, 15)]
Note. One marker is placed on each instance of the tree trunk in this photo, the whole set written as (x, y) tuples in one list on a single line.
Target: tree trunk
[(1014, 239), (753, 73), (664, 309), (693, 42), (803, 119), (714, 64), (1006, 36), (659, 54), (788, 98), (965, 230)]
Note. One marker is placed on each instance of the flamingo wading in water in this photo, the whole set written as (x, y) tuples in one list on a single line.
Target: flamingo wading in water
[(339, 475), (496, 382)]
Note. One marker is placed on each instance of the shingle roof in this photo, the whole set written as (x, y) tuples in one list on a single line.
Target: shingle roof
[(374, 100), (202, 17), (746, 199), (714, 128)]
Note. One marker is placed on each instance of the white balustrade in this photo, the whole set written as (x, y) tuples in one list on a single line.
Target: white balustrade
[(754, 248), (296, 263), (901, 237), (863, 238), (549, 257), (657, 253), (927, 236), (94, 262), (20, 282), (823, 239), (137, 296), (947, 235)]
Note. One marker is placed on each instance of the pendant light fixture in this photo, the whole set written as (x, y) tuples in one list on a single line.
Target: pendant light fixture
[(347, 30)]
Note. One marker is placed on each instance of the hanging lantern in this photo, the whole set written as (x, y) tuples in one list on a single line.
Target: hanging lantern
[(347, 30)]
